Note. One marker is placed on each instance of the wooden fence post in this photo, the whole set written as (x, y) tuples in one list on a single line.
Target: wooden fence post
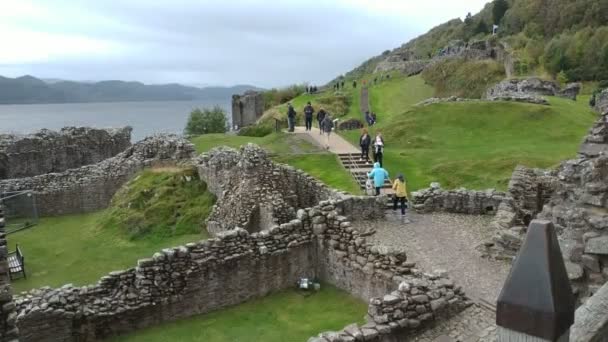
[(536, 303)]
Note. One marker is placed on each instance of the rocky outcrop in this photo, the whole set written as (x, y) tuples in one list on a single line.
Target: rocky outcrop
[(520, 98), (601, 102), (460, 201), (532, 87), (434, 100), (253, 192), (91, 187), (398, 62), (49, 151), (350, 124)]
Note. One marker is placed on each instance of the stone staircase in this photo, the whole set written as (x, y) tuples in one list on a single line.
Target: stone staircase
[(359, 170)]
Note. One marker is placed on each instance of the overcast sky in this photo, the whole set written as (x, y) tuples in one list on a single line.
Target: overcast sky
[(218, 42)]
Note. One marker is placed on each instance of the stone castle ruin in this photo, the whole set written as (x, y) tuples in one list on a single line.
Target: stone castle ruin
[(48, 151), (247, 108), (273, 224), (310, 236)]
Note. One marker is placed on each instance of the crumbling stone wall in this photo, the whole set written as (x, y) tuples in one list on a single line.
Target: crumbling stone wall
[(247, 108), (528, 191), (601, 102), (460, 201), (237, 266), (393, 316), (91, 187), (8, 328), (253, 192), (49, 151)]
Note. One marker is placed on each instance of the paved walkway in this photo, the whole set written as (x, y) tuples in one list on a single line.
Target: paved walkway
[(447, 241), (337, 144)]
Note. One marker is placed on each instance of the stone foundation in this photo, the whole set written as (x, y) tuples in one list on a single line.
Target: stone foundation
[(91, 187), (532, 87), (460, 201), (48, 151)]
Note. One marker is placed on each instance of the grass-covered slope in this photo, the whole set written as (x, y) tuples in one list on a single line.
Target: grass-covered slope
[(474, 144), (285, 316), (159, 203)]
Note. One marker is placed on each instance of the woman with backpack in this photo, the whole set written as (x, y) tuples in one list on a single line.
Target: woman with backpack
[(327, 125), (320, 117)]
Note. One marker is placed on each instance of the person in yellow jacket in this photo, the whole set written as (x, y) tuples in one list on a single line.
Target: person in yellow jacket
[(400, 193)]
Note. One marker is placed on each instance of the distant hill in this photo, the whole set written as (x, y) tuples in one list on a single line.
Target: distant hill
[(30, 90)]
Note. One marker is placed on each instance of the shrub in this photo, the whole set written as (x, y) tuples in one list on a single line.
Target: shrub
[(278, 96), (206, 121)]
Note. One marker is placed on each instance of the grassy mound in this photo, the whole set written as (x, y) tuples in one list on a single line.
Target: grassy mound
[(160, 203), (457, 77), (336, 103), (477, 144)]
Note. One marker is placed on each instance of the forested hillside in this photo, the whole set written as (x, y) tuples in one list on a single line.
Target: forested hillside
[(565, 38)]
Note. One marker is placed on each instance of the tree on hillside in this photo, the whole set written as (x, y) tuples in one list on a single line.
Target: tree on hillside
[(499, 9), (482, 28), (468, 20), (206, 121)]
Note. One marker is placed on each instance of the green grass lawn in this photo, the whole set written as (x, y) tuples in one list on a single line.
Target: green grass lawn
[(285, 316), (73, 249), (274, 143), (478, 144)]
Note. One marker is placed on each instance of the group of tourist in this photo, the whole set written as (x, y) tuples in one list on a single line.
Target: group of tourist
[(339, 85), (324, 119), (378, 174), (311, 89)]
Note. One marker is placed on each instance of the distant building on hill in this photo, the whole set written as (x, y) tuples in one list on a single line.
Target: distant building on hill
[(247, 108)]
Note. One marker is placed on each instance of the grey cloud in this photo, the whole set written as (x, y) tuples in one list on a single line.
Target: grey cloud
[(262, 43)]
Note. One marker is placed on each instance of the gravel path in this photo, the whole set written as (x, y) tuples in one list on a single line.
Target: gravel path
[(445, 241)]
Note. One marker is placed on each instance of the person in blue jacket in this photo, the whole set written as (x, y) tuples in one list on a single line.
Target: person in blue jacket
[(378, 174)]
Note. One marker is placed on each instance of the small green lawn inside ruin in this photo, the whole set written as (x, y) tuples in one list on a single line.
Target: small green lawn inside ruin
[(284, 316), (74, 249), (158, 208)]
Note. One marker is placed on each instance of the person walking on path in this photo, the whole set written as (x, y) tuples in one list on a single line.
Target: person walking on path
[(327, 125), (320, 117), (364, 141), (400, 193), (354, 84), (378, 148), (308, 112), (291, 117), (378, 174)]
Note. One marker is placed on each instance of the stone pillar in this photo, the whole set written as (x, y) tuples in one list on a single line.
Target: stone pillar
[(247, 109), (8, 316), (536, 302)]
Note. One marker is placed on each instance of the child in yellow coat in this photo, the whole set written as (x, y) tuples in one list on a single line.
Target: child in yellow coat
[(400, 193)]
